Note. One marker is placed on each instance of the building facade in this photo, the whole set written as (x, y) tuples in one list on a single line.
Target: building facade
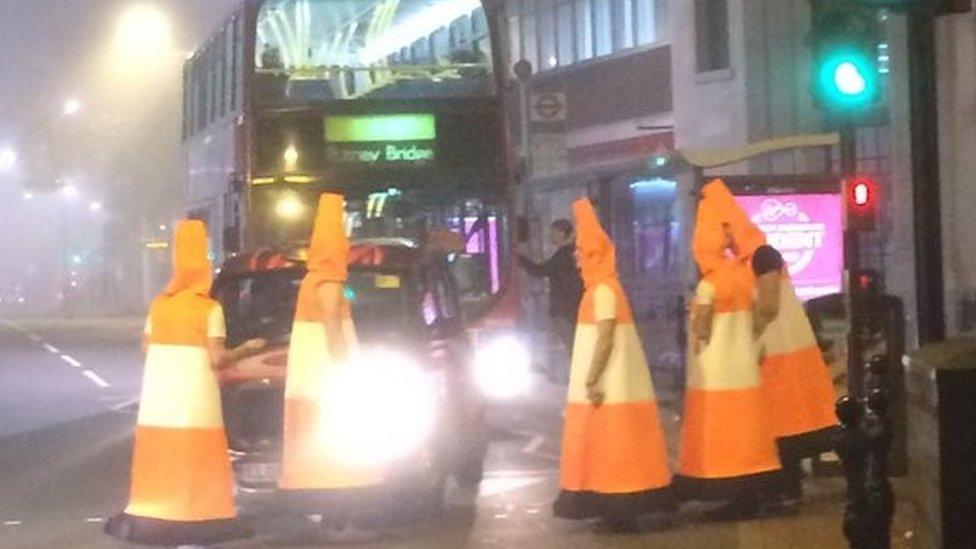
[(638, 83)]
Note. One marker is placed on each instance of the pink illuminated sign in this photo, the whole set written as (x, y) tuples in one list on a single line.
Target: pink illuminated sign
[(808, 230)]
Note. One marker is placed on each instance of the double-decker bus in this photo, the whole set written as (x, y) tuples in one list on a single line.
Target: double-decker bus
[(395, 103)]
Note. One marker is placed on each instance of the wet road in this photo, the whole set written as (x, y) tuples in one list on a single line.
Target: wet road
[(68, 410)]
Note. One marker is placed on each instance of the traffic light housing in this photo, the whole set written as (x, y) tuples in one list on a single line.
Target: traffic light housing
[(845, 79), (861, 203)]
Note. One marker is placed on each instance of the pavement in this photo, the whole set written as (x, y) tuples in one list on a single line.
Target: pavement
[(68, 410)]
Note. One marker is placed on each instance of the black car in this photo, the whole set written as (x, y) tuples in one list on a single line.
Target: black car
[(404, 301)]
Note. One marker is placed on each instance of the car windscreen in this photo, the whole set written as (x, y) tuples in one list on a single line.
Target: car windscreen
[(263, 304)]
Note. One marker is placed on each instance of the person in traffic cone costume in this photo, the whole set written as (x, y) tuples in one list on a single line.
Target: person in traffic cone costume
[(614, 459), (182, 483), (315, 464), (798, 389), (728, 451)]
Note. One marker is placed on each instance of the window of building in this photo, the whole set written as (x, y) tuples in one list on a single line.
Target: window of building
[(584, 30), (530, 43), (623, 24), (547, 38), (564, 34), (515, 37), (186, 101), (602, 27), (645, 21), (236, 64), (223, 47), (712, 35)]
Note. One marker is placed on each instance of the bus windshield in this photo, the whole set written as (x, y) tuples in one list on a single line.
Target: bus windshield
[(329, 50)]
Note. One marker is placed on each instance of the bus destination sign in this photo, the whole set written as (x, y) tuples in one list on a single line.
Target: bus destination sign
[(403, 139)]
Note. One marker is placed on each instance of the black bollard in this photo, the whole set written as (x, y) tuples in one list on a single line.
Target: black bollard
[(879, 495), (852, 446), (863, 444)]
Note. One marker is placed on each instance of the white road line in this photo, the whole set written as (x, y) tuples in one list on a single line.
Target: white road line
[(12, 523), (125, 404), (71, 361), (96, 379), (94, 519), (534, 444), (52, 349)]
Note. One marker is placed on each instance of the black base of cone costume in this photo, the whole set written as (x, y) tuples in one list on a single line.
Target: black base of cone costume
[(807, 445), (727, 489), (148, 531), (589, 505)]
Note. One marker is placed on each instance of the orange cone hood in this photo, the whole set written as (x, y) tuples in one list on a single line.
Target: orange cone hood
[(328, 253), (597, 257), (717, 208), (191, 264)]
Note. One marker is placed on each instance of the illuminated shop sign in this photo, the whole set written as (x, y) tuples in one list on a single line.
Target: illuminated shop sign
[(381, 139), (808, 230)]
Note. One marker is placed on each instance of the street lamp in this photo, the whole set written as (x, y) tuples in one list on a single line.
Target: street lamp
[(69, 191), (72, 107), (8, 159), (28, 195), (95, 206), (142, 34)]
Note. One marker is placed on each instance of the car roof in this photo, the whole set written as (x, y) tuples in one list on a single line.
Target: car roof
[(370, 253)]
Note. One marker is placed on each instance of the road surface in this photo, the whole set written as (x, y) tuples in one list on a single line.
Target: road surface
[(68, 409)]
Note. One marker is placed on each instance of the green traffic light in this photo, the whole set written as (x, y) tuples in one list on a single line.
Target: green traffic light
[(848, 79)]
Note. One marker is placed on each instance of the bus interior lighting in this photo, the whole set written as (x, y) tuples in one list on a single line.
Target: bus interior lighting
[(300, 179), (421, 24)]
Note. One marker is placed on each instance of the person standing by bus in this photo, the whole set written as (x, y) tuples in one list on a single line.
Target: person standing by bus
[(614, 460), (182, 485), (798, 389), (317, 472), (728, 451), (565, 283)]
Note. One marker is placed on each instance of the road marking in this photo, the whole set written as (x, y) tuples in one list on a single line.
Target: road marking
[(71, 361), (496, 486), (52, 349), (96, 379), (12, 523), (534, 444), (94, 519), (125, 404)]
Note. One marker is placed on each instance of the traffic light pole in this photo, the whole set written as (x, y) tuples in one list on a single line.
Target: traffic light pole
[(927, 199), (852, 263)]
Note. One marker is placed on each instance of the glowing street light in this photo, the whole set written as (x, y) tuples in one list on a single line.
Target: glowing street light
[(8, 159), (69, 191), (72, 107), (95, 206), (143, 38), (28, 195)]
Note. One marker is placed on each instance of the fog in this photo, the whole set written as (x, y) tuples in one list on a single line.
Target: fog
[(90, 168)]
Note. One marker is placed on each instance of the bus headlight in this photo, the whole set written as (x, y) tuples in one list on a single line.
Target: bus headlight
[(502, 367), (289, 207), (378, 409)]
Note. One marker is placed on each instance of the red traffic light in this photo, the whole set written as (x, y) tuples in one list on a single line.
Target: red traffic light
[(861, 193), (862, 203)]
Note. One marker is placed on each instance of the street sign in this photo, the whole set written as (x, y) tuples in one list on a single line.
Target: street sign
[(549, 154), (549, 107)]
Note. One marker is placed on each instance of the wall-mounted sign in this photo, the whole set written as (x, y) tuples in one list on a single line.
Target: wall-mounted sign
[(549, 107), (808, 230), (381, 139)]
